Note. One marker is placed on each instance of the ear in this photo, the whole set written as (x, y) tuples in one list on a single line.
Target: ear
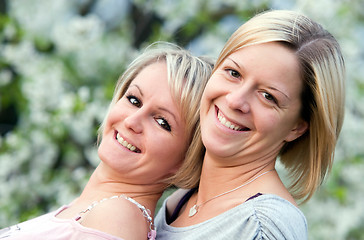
[(299, 129)]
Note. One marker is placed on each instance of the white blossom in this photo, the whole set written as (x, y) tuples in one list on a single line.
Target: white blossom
[(5, 77)]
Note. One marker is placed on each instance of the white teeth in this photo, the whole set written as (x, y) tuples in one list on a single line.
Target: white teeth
[(227, 123), (125, 143)]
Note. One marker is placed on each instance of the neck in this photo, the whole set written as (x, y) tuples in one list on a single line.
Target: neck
[(217, 178), (104, 184)]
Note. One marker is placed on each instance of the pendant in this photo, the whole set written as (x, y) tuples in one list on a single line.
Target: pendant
[(193, 211)]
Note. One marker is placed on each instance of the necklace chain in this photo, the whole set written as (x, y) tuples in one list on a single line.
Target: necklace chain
[(194, 208)]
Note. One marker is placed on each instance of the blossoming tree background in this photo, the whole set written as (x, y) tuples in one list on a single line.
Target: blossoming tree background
[(59, 61)]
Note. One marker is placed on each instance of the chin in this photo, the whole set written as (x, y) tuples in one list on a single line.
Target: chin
[(215, 148)]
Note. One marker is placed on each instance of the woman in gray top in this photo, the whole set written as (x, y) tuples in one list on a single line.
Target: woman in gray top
[(277, 90)]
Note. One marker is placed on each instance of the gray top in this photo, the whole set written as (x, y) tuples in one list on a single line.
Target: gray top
[(264, 217)]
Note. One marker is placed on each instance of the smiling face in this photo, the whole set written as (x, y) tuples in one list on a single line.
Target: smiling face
[(144, 136), (251, 104)]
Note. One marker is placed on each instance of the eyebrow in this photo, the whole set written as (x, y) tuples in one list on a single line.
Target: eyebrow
[(272, 88), (134, 85), (237, 64), (275, 89), (159, 108), (166, 110)]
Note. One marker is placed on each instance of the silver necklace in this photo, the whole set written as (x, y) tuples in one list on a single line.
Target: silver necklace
[(194, 208)]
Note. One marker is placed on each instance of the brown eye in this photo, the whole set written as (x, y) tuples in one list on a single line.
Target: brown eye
[(134, 100), (164, 124), (233, 73), (269, 97)]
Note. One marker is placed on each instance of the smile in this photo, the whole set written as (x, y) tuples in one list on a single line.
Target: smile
[(228, 124), (126, 144)]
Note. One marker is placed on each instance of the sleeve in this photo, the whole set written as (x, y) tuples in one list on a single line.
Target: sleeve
[(277, 218)]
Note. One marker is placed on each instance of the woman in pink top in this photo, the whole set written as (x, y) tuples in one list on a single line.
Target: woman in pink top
[(143, 141)]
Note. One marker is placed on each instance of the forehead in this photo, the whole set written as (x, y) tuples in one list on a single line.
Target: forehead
[(153, 84), (272, 54), (154, 74)]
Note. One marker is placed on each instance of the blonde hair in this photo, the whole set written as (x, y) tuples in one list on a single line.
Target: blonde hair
[(187, 78), (309, 158)]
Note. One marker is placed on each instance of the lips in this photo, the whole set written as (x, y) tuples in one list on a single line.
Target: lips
[(229, 124), (126, 144)]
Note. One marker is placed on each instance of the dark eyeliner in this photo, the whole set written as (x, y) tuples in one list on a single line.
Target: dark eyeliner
[(272, 98), (233, 73), (130, 98), (164, 125)]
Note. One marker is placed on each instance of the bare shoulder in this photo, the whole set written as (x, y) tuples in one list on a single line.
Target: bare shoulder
[(117, 217)]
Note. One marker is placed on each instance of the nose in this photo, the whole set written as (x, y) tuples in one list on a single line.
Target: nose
[(238, 99), (134, 121)]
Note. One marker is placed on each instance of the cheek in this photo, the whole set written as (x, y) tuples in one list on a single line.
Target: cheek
[(204, 101), (107, 127), (114, 116), (270, 120), (174, 153), (275, 124), (269, 123), (214, 89)]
